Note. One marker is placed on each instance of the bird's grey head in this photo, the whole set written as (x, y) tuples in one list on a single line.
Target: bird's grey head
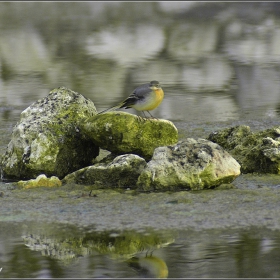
[(154, 84)]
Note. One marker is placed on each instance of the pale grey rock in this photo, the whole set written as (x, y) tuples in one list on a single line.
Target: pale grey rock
[(47, 139), (190, 164)]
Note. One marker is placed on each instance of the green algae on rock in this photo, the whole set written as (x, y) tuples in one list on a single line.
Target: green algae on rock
[(68, 245), (256, 152), (40, 181), (190, 164), (122, 172), (48, 140), (123, 133)]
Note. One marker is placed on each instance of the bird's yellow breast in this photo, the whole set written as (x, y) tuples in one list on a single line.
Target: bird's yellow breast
[(151, 101)]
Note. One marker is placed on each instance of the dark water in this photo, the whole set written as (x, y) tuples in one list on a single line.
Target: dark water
[(53, 251), (219, 65)]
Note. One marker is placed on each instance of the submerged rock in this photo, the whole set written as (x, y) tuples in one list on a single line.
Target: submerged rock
[(123, 133), (190, 164), (47, 139), (40, 181), (256, 152), (123, 171)]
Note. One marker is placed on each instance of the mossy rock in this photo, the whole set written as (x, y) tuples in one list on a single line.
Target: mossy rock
[(40, 181), (255, 151), (123, 171), (123, 133), (47, 139)]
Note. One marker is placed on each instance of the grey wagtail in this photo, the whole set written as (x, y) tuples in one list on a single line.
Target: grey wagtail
[(144, 98)]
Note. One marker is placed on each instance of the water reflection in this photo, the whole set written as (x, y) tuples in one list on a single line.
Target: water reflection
[(61, 251), (104, 53), (216, 62)]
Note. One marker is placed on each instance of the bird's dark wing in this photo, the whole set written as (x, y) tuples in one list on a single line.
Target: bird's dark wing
[(131, 100), (137, 95)]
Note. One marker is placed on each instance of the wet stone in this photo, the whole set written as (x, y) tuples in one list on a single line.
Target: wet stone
[(40, 143), (122, 133), (123, 171), (255, 151), (190, 164)]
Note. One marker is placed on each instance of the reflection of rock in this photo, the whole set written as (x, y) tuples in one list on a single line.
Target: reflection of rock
[(190, 107), (64, 249), (123, 171), (13, 93), (256, 152), (125, 245), (67, 245), (149, 266), (167, 72), (189, 42), (255, 80), (47, 138), (190, 164), (251, 43), (24, 51), (104, 82), (176, 6), (211, 74), (122, 133), (130, 44)]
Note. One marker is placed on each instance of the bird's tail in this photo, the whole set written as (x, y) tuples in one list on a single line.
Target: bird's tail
[(111, 109)]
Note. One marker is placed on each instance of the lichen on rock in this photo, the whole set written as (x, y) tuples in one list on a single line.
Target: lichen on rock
[(40, 181), (190, 164), (47, 139), (122, 171), (123, 133), (255, 151)]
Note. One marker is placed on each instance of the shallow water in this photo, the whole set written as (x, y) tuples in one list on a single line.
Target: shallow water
[(44, 251), (218, 65)]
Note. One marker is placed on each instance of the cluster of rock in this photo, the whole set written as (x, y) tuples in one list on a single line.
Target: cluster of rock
[(256, 152), (61, 135), (47, 138)]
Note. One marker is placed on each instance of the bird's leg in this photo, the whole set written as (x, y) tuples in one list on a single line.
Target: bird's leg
[(144, 115), (152, 115)]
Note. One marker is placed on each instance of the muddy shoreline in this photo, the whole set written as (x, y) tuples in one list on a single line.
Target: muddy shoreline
[(251, 200)]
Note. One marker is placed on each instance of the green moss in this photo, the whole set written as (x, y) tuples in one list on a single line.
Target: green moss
[(121, 132), (251, 149), (126, 244), (40, 181)]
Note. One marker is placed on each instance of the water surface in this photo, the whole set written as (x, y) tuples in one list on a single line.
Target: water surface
[(218, 64), (56, 251)]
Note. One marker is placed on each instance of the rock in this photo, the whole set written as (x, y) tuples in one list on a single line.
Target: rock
[(123, 133), (190, 164), (256, 152), (123, 171), (40, 181), (47, 139)]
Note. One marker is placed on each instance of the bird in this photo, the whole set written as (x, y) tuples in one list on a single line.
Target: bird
[(145, 97), (149, 266)]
